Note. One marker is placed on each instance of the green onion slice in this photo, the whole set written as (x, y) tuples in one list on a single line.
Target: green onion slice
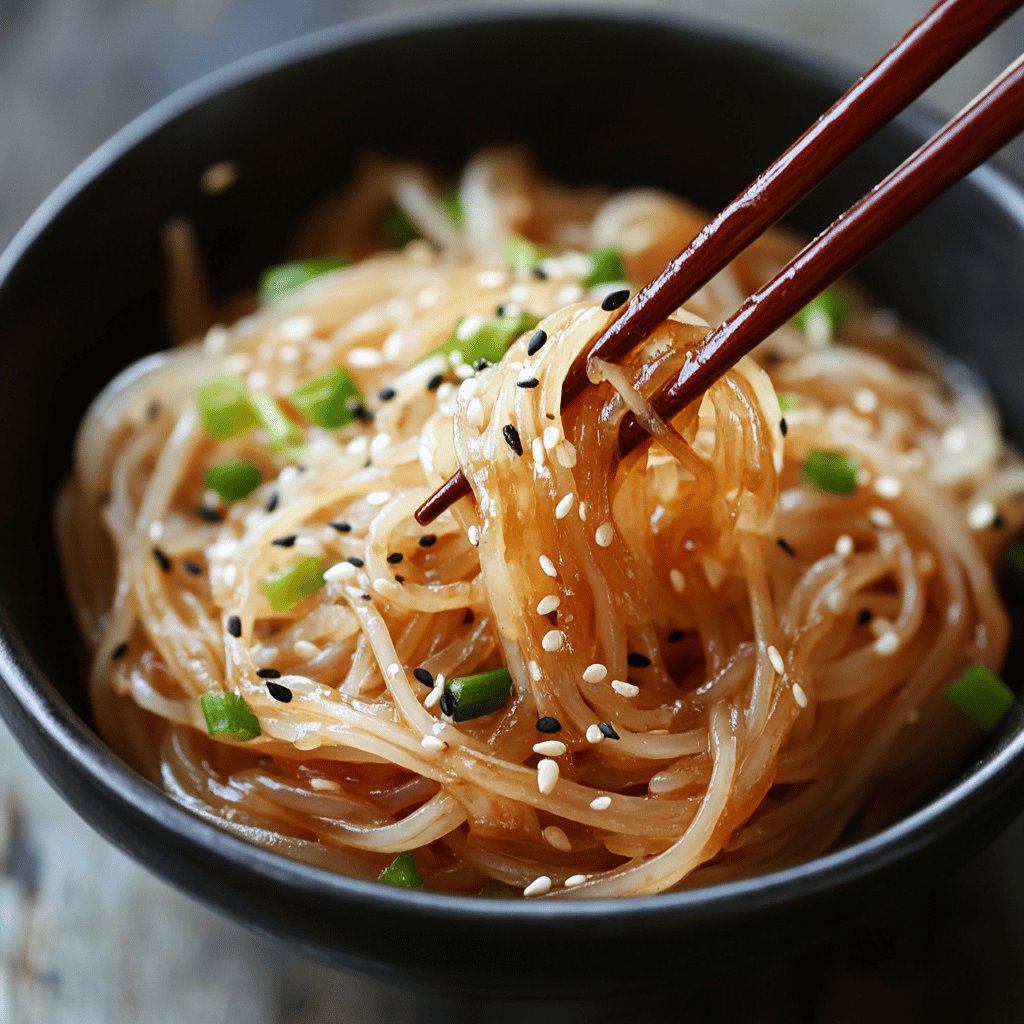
[(290, 585), (451, 203), (831, 471), (234, 480), (402, 872), (328, 400), (980, 694), (489, 341), (831, 304), (286, 277), (1014, 556), (605, 266), (467, 697), (285, 434), (397, 227), (229, 716), (521, 254), (225, 407), (787, 403)]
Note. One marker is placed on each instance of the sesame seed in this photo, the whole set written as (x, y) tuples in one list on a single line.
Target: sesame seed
[(624, 689), (537, 341), (353, 560), (421, 675), (365, 358), (553, 640), (434, 697), (676, 635), (428, 540), (546, 605), (538, 452), (551, 437), (341, 526), (548, 566), (888, 487), (555, 837), (192, 568), (783, 427), (596, 673), (119, 651), (435, 382), (799, 695), (614, 299), (865, 401), (512, 438), (608, 730), (473, 534), (678, 580), (604, 535), (582, 511), (538, 887), (836, 599), (529, 382), (162, 560), (155, 532), (207, 514), (887, 643), (864, 616), (564, 506), (786, 546), (637, 660), (547, 775), (378, 497), (272, 502), (432, 743), (547, 724), (268, 673), (844, 545), (600, 803), (279, 693), (574, 880), (475, 413), (380, 443), (880, 518), (285, 542), (981, 515), (386, 394), (395, 557), (324, 785), (594, 734), (776, 659), (340, 572), (566, 454), (550, 748), (305, 649)]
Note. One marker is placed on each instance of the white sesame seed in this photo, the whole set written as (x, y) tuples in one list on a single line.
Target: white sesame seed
[(546, 605), (776, 659), (538, 887), (535, 672), (564, 507), (550, 748), (600, 803), (582, 511), (473, 533), (393, 669), (340, 572), (297, 328), (594, 734), (469, 326), (574, 880), (490, 278), (557, 838), (358, 446), (380, 443), (258, 380), (468, 388), (365, 359), (678, 580), (547, 775), (237, 363), (888, 487), (880, 518), (289, 353), (433, 698), (865, 401), (880, 624), (432, 743), (982, 515), (844, 545), (305, 649), (624, 689), (862, 477), (548, 566), (308, 546), (539, 455), (836, 599), (799, 695), (553, 640), (566, 454), (475, 413), (551, 437), (378, 497), (887, 643), (230, 575), (155, 532), (596, 673), (955, 439), (604, 535), (324, 785)]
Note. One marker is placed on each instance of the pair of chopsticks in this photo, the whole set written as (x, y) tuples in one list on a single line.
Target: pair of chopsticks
[(930, 48)]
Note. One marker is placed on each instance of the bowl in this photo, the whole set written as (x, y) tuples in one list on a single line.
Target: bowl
[(611, 96)]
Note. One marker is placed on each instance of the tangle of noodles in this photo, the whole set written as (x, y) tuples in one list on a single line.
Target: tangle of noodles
[(798, 640)]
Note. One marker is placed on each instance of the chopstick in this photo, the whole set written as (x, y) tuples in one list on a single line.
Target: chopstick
[(933, 45)]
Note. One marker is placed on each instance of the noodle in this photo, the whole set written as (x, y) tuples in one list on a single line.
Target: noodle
[(735, 658)]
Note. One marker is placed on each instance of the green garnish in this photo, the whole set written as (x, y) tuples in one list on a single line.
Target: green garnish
[(489, 341), (831, 471), (288, 586), (787, 403), (225, 407), (980, 694), (402, 871), (451, 202), (521, 254), (328, 401), (228, 715), (234, 480), (1014, 556), (467, 697), (286, 277), (605, 266), (284, 433), (396, 226), (831, 304)]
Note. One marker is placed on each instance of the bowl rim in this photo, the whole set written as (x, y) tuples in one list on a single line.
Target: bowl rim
[(60, 728)]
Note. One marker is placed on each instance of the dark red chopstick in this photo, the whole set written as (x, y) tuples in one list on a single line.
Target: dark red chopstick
[(933, 45)]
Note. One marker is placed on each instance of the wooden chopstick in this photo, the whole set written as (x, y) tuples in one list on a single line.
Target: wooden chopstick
[(933, 45)]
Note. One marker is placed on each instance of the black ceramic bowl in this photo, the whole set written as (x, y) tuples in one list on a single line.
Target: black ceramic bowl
[(599, 96)]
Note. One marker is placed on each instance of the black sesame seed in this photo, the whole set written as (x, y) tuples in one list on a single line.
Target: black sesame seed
[(234, 625), (395, 557), (435, 382), (286, 541), (468, 617), (539, 274), (386, 394), (447, 703), (481, 364), (421, 675), (537, 341), (548, 724), (783, 427), (531, 383), (119, 651), (428, 540), (192, 568), (399, 578), (614, 299), (279, 692), (365, 597), (637, 660), (362, 414), (998, 522), (357, 562), (162, 560), (272, 502), (341, 526), (512, 438), (153, 410), (608, 730), (268, 673), (676, 635), (786, 546), (864, 616), (207, 514)]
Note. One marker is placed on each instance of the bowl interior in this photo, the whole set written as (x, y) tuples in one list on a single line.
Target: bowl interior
[(645, 99)]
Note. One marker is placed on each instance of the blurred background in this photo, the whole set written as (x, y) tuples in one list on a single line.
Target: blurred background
[(88, 937)]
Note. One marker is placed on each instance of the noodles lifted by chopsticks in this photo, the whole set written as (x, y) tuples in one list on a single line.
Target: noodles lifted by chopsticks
[(718, 648)]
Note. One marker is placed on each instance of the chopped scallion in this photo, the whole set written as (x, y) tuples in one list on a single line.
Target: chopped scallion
[(489, 341), (831, 305), (605, 266), (980, 694), (467, 697), (831, 471), (402, 872), (521, 254), (787, 403), (288, 586), (284, 433), (225, 407), (229, 716), (286, 277), (329, 400), (1014, 556), (234, 480), (451, 202), (397, 227)]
